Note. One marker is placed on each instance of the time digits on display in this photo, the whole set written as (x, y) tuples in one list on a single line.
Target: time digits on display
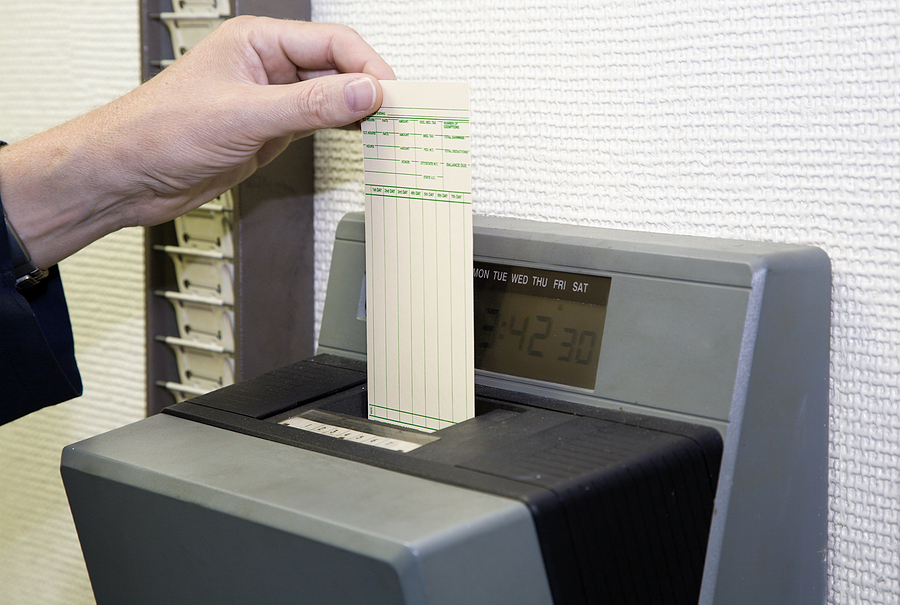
[(539, 324), (569, 344)]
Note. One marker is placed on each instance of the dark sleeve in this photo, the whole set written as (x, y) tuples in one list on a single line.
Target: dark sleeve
[(37, 353)]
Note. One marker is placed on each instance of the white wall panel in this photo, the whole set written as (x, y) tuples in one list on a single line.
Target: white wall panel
[(746, 119)]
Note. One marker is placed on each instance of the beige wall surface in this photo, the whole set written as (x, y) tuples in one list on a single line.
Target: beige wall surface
[(752, 119), (59, 59)]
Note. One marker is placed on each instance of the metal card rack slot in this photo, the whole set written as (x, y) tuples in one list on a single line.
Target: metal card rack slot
[(203, 272), (189, 22), (202, 366), (224, 279), (209, 227), (203, 319)]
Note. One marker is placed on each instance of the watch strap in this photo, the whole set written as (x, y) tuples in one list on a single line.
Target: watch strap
[(26, 272)]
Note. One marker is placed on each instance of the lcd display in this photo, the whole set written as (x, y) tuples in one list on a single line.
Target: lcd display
[(545, 325)]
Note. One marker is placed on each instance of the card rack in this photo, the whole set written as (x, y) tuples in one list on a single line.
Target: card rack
[(204, 301), (230, 284)]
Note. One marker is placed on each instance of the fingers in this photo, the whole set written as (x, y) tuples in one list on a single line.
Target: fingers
[(324, 102), (360, 96), (291, 50), (350, 53)]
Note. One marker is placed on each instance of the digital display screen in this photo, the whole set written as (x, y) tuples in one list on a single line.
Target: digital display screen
[(545, 325)]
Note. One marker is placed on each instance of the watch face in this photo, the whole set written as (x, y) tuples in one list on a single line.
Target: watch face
[(30, 279)]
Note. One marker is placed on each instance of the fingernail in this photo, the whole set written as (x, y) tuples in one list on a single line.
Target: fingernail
[(360, 94)]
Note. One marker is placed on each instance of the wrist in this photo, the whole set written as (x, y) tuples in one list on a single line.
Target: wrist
[(25, 273), (49, 198)]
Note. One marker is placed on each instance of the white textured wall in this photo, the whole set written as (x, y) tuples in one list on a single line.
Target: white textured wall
[(757, 119), (59, 59)]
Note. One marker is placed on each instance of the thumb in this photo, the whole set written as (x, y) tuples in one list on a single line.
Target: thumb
[(329, 101)]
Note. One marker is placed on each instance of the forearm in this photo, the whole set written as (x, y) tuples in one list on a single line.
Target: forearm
[(54, 193), (206, 123)]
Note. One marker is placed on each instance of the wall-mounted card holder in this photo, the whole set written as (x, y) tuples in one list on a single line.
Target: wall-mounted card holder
[(201, 245)]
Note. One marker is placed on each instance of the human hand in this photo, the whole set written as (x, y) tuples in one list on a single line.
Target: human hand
[(207, 122)]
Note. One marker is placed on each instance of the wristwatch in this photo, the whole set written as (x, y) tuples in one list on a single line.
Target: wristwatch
[(26, 272)]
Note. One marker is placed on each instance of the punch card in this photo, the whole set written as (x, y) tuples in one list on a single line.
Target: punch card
[(419, 292)]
